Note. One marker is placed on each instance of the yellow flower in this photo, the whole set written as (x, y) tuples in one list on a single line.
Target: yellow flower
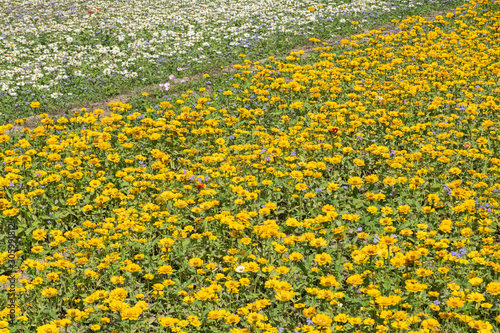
[(35, 104), (296, 175), (49, 292), (167, 321), (165, 270), (355, 182), (10, 212), (285, 295), (300, 186), (455, 302), (323, 259), (37, 249), (49, 328), (132, 268), (475, 281), (295, 256), (493, 288), (475, 297), (482, 141), (355, 280), (39, 234), (358, 162), (430, 323), (322, 320), (195, 262), (329, 281), (130, 313), (341, 318), (390, 181)]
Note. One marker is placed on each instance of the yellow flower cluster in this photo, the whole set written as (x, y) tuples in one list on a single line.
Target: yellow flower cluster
[(355, 190)]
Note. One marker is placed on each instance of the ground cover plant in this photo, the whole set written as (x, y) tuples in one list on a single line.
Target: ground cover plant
[(353, 189)]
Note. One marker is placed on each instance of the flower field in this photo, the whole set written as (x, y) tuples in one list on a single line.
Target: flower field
[(354, 188)]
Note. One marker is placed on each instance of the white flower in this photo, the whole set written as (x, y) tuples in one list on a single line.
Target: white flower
[(171, 77), (240, 269), (165, 86)]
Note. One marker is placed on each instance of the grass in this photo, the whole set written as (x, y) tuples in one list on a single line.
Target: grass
[(342, 182)]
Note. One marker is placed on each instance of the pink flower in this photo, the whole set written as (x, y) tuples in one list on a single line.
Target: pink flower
[(171, 77)]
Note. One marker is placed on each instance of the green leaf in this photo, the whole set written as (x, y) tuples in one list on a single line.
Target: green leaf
[(302, 268), (436, 187)]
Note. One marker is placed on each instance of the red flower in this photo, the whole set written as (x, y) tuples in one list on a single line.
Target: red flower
[(90, 12), (200, 186), (97, 8), (334, 130)]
